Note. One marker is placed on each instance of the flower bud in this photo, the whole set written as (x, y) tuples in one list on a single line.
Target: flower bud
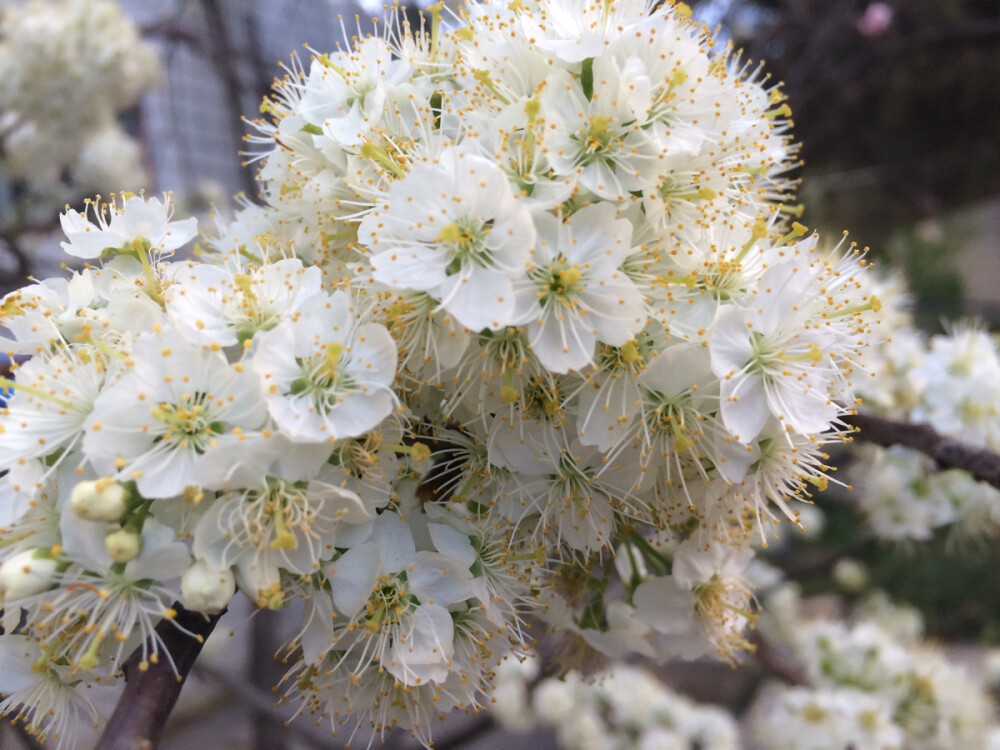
[(100, 500), (207, 589), (25, 574), (124, 545), (850, 575)]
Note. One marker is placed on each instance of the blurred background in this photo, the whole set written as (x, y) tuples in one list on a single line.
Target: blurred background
[(897, 107)]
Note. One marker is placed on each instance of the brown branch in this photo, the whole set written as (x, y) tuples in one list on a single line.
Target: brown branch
[(150, 695), (947, 452)]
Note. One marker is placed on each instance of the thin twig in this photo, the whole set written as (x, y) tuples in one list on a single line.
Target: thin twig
[(947, 452), (150, 694), (262, 704)]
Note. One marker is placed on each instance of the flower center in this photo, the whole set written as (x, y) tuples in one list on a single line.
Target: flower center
[(324, 378), (598, 142), (465, 242), (187, 424)]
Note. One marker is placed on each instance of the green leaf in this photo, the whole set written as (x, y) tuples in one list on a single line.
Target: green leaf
[(587, 78)]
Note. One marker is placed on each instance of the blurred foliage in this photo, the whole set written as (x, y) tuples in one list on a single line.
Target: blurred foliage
[(952, 581), (928, 263)]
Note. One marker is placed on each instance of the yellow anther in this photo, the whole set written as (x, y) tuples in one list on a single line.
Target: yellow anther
[(420, 452), (275, 601), (334, 350), (245, 284), (193, 494), (570, 276), (630, 353), (452, 233), (820, 482)]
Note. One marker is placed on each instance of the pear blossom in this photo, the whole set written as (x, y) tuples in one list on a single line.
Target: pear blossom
[(325, 374), (455, 230), (137, 222), (574, 294), (163, 422)]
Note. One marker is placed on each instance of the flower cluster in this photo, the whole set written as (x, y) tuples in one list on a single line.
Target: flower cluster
[(522, 329), (950, 382), (60, 137), (871, 682), (621, 708)]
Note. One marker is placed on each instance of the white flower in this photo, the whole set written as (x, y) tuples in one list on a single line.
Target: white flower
[(209, 304), (326, 375), (26, 573), (575, 30), (575, 293), (401, 600), (136, 223), (704, 604), (179, 417), (810, 719), (42, 695), (54, 394), (346, 94), (772, 362), (455, 230), (275, 526), (598, 139)]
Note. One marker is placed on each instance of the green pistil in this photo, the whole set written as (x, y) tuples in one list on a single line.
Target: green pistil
[(798, 230), (283, 538), (465, 242), (379, 155), (597, 141), (757, 232), (874, 304), (140, 249), (563, 280), (186, 424), (326, 62), (7, 384), (483, 77)]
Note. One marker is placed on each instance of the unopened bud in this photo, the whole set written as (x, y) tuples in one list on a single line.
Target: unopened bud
[(26, 574), (207, 589), (124, 545), (100, 500), (850, 575)]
